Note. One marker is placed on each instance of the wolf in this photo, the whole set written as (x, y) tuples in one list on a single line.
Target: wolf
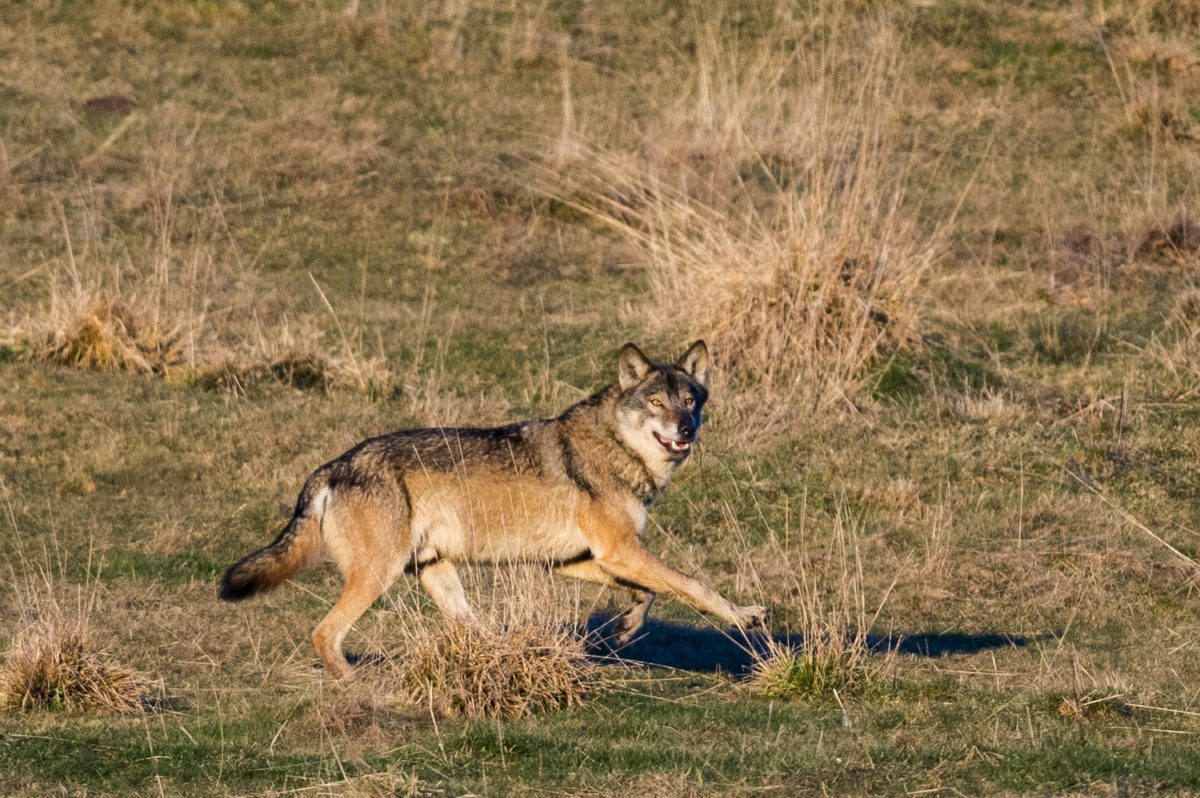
[(571, 492)]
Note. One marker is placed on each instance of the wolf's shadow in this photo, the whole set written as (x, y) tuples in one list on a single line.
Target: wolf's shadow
[(708, 650)]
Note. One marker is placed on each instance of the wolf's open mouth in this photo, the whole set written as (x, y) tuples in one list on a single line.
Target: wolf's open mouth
[(674, 447)]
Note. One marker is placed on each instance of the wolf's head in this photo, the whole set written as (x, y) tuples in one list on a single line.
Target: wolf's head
[(659, 407)]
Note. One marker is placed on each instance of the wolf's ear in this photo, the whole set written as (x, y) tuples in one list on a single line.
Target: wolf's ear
[(632, 366), (695, 362)]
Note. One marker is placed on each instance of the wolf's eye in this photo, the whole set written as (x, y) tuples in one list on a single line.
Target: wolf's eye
[(656, 403), (689, 401)]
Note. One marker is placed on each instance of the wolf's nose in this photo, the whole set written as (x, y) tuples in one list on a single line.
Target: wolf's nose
[(686, 430)]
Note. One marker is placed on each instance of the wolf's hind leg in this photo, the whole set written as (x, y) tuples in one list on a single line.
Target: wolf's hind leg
[(633, 618), (360, 592), (440, 580), (369, 540)]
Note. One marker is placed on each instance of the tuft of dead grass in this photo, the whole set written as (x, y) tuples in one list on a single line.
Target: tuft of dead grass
[(139, 304), (772, 215), (300, 368), (490, 670), (828, 654), (172, 296), (53, 667), (52, 662), (820, 669), (106, 334)]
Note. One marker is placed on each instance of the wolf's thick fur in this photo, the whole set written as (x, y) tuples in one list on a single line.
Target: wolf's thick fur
[(571, 491)]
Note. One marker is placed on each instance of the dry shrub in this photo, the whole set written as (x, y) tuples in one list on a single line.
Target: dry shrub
[(833, 657), (105, 334), (772, 215), (52, 667), (493, 670), (52, 662)]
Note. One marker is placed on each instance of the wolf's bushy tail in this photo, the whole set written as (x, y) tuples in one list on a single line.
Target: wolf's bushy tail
[(294, 548)]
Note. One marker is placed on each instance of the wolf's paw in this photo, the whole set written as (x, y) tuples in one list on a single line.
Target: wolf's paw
[(629, 624), (625, 633), (751, 617)]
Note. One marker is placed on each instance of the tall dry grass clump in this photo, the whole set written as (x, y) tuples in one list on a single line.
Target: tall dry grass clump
[(138, 270), (151, 308), (770, 205), (54, 667), (52, 662), (490, 670), (138, 303), (149, 278), (827, 653), (101, 333), (521, 654)]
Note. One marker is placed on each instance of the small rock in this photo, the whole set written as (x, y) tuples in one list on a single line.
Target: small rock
[(109, 105)]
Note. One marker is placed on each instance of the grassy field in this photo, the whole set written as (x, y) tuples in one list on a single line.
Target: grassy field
[(944, 252)]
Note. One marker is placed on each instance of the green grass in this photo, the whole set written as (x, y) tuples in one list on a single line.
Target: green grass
[(882, 745)]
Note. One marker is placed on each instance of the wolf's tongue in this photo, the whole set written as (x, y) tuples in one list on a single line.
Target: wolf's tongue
[(674, 446)]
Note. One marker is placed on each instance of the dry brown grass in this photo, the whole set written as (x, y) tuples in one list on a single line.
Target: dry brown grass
[(772, 213), (54, 667), (308, 143), (52, 662), (1092, 707), (769, 197), (105, 334), (523, 656), (298, 356), (155, 315), (139, 302), (490, 670), (1154, 57), (90, 328), (524, 652), (1172, 355), (827, 653), (148, 274)]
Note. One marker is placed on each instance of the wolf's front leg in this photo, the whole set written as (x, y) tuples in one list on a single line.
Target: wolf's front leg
[(633, 618), (441, 582), (614, 544), (631, 621), (630, 561)]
